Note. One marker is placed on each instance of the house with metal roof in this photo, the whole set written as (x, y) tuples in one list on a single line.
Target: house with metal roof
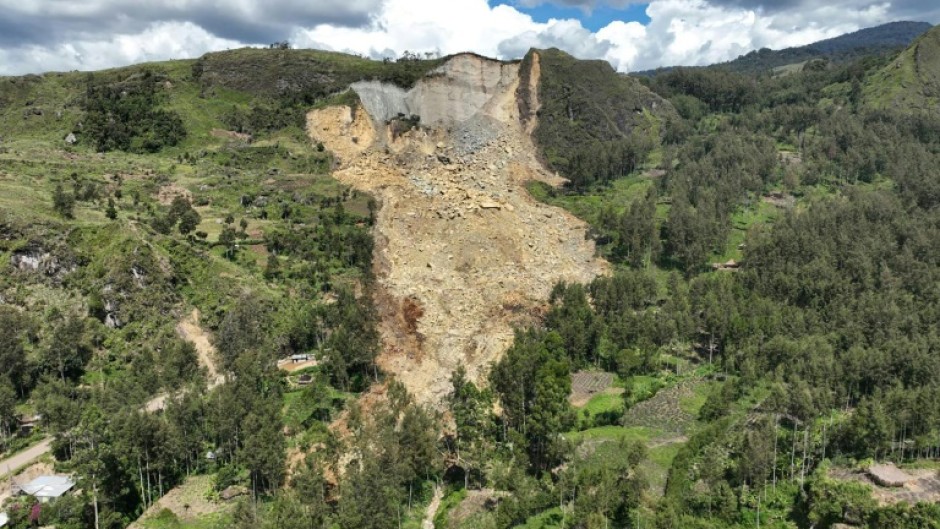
[(46, 488), (4, 519)]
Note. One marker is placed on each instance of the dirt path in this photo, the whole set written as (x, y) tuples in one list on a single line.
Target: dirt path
[(21, 459), (190, 330), (435, 504), (463, 252)]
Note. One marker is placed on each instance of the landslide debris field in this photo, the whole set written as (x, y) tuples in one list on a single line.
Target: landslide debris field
[(463, 253)]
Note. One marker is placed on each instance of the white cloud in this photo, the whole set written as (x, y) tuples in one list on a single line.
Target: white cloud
[(41, 35), (160, 41)]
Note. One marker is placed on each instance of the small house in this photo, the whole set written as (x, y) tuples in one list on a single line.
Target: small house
[(305, 379), (48, 488), (4, 519), (27, 423), (297, 358)]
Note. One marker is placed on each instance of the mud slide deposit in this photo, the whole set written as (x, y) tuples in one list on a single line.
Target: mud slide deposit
[(463, 252)]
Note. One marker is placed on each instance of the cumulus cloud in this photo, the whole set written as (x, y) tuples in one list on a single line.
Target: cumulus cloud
[(40, 35), (160, 41)]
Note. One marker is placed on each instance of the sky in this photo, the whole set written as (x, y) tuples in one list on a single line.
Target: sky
[(63, 35)]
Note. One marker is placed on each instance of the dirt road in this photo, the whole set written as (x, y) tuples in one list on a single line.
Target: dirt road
[(24, 458)]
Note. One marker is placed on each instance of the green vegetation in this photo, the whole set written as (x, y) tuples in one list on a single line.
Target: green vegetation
[(593, 125), (740, 383), (911, 82)]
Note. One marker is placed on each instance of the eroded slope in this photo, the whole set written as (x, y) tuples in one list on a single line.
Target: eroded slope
[(464, 253)]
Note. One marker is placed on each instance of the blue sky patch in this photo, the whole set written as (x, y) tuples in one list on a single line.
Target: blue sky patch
[(594, 20)]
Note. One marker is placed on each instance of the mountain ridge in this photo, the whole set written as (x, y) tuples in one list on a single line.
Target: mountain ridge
[(875, 40)]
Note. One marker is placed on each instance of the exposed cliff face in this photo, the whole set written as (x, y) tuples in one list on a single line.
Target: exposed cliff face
[(460, 89), (464, 252)]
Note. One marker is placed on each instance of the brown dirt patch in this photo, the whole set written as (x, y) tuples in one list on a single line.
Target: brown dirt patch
[(923, 487), (412, 312), (780, 200), (477, 501), (167, 193), (190, 330), (344, 130), (231, 135), (187, 501)]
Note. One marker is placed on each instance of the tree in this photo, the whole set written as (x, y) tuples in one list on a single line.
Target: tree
[(111, 211), (242, 329), (13, 359), (533, 382), (67, 351), (227, 239), (189, 220), (470, 408), (62, 202), (7, 407)]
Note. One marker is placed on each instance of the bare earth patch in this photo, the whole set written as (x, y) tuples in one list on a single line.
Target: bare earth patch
[(187, 501), (457, 234), (924, 486)]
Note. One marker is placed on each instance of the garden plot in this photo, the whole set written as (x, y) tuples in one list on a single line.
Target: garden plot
[(587, 384)]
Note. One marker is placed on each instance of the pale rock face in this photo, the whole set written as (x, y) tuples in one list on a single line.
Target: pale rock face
[(453, 93)]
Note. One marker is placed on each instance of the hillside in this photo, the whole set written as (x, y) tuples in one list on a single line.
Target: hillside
[(911, 82), (878, 40), (281, 289), (587, 118)]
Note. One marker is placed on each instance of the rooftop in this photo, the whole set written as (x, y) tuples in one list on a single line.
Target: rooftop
[(48, 486)]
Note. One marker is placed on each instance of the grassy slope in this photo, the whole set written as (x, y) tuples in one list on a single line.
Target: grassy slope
[(37, 112), (912, 81)]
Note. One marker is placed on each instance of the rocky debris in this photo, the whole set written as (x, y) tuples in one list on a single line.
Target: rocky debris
[(457, 233), (888, 475), (37, 259)]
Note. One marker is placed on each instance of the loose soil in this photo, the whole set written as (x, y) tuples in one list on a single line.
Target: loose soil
[(924, 487), (190, 330), (463, 253)]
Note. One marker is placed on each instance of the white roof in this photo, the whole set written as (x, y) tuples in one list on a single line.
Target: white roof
[(48, 486), (4, 519)]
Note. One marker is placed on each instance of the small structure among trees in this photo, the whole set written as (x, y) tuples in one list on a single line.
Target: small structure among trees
[(48, 488)]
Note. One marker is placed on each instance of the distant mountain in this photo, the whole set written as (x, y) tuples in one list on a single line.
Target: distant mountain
[(911, 82), (845, 48)]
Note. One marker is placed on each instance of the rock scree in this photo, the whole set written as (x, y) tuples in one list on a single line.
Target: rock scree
[(463, 252)]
